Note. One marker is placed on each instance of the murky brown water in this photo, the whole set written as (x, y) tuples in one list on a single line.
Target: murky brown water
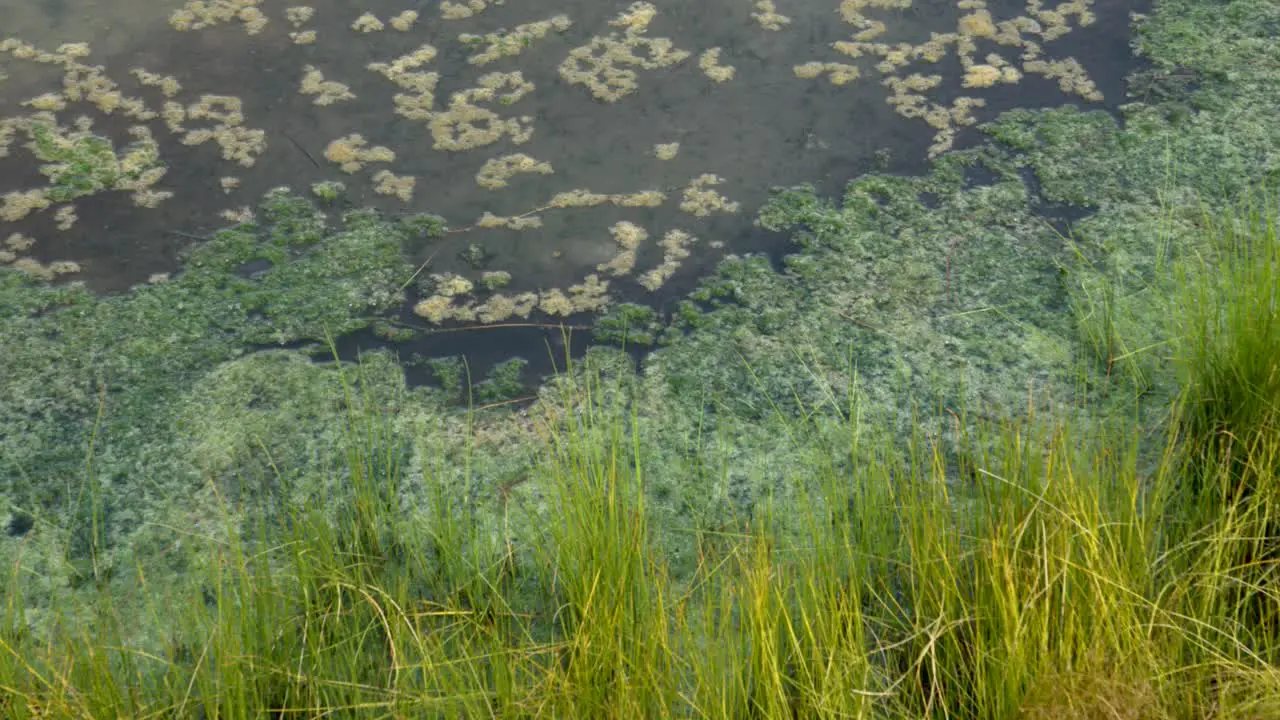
[(763, 127)]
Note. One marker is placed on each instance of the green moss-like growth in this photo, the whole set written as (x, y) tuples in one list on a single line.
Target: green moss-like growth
[(83, 163), (329, 191), (451, 373), (503, 382), (85, 371), (392, 332), (495, 280), (476, 256), (423, 226), (628, 324)]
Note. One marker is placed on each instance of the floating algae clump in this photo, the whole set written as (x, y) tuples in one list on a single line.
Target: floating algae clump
[(577, 199), (462, 10), (328, 190), (1071, 77), (299, 15), (418, 102), (644, 198), (495, 172), (36, 269), (450, 285), (629, 237), (240, 215), (700, 200), (675, 245), (501, 307), (352, 153), (440, 306), (589, 296), (495, 279), (17, 242), (435, 309), (465, 125), (327, 92), (767, 15), (88, 83), (367, 23), (238, 143), (388, 183), (404, 21), (605, 65), (837, 73), (65, 217), (1026, 32), (709, 62), (981, 76), (77, 163), (508, 44), (201, 14), (17, 204), (48, 102), (518, 222), (167, 84), (666, 151)]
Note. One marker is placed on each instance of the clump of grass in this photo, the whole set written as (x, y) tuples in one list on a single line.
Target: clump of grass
[(1227, 340), (1228, 343)]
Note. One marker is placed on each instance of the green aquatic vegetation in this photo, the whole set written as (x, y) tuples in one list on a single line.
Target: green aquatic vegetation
[(628, 324), (503, 382), (109, 370), (393, 332), (84, 166), (961, 301), (476, 256), (452, 375), (423, 226), (495, 280), (329, 191)]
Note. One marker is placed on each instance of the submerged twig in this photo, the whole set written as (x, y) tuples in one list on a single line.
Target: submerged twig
[(189, 236), (301, 149)]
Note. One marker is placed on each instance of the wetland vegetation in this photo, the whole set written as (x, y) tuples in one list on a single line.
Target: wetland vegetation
[(729, 359)]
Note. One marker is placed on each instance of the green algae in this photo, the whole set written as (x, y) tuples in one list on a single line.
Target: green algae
[(83, 165), (84, 368), (503, 382), (628, 324)]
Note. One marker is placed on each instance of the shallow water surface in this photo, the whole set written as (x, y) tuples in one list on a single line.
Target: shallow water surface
[(778, 118)]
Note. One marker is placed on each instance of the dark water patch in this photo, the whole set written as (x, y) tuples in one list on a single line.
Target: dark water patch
[(254, 268), (547, 349), (1061, 216), (19, 524), (979, 175), (930, 200)]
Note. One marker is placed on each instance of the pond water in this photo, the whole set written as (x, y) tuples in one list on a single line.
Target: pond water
[(617, 150)]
